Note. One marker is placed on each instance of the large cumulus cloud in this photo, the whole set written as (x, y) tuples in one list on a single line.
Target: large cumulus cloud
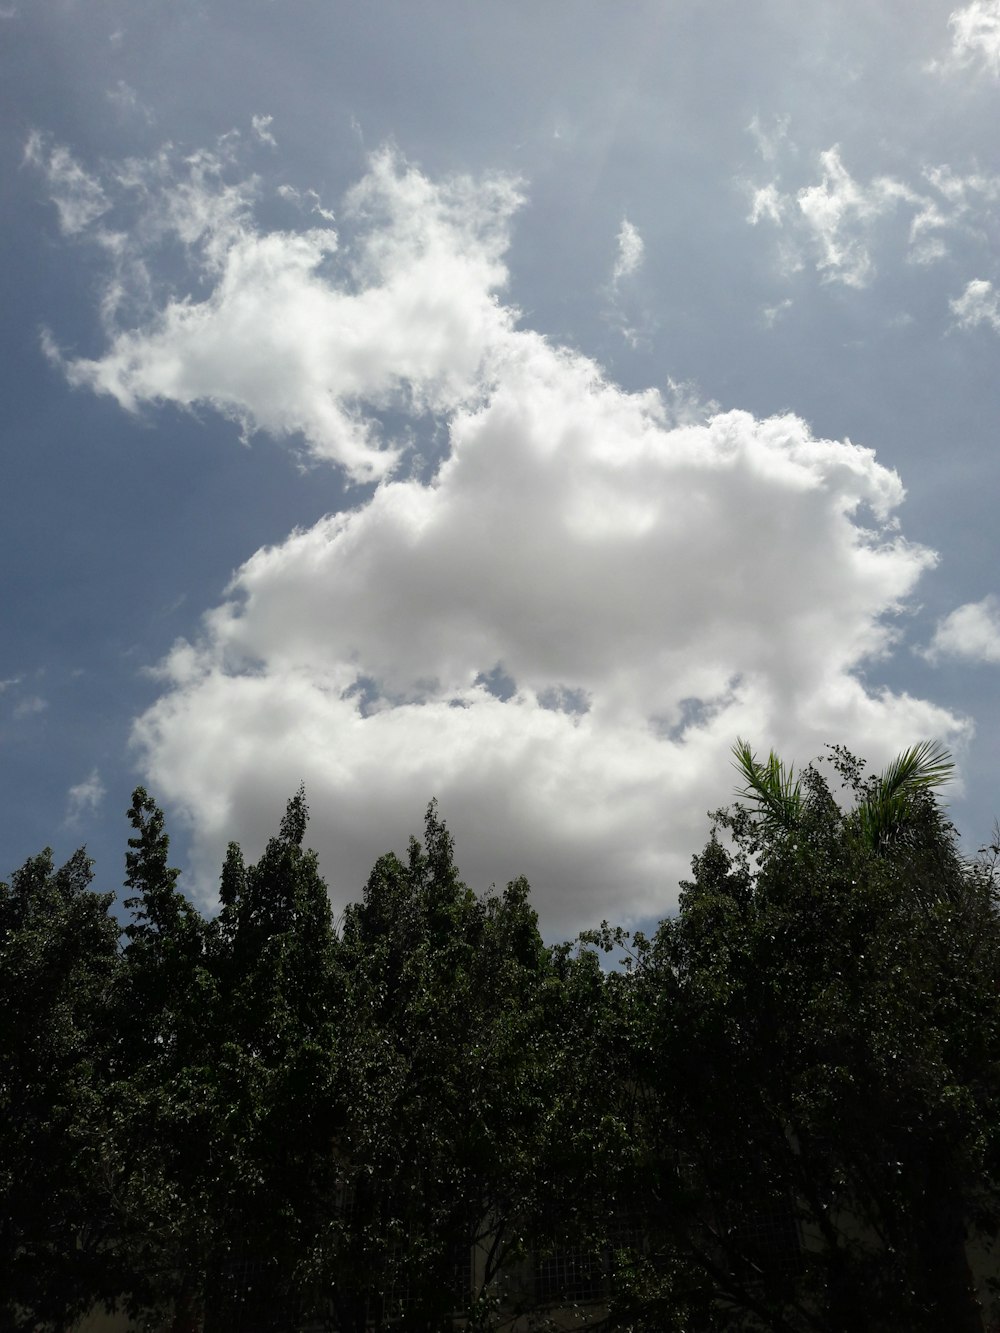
[(561, 633), (559, 637)]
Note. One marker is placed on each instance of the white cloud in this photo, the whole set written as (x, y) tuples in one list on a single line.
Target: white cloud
[(768, 203), (29, 706), (262, 129), (78, 197), (838, 212), (188, 199), (306, 199), (770, 142), (294, 339), (971, 632), (770, 314), (626, 310), (839, 217), (128, 103), (630, 252), (648, 583), (975, 34), (650, 589), (84, 798), (978, 304)]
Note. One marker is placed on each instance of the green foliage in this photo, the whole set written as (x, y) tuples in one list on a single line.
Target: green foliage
[(163, 1105), (771, 788), (889, 801), (777, 798), (445, 1078), (57, 956), (778, 1113), (276, 1057), (821, 1058)]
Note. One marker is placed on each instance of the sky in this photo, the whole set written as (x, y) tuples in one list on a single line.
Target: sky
[(511, 404)]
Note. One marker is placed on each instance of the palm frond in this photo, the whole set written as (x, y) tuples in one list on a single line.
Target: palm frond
[(773, 789), (918, 769)]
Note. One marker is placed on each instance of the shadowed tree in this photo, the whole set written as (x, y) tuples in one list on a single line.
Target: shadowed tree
[(165, 1111), (450, 1086), (273, 949), (58, 957), (820, 1059)]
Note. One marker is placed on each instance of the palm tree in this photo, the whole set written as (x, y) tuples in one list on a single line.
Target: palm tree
[(885, 803)]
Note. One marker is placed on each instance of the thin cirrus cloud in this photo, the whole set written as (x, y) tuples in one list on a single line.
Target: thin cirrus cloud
[(626, 311), (78, 196), (562, 632)]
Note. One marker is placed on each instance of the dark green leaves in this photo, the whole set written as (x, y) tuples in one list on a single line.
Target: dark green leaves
[(254, 1115)]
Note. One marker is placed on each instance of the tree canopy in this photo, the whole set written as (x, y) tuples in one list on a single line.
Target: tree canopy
[(777, 1112)]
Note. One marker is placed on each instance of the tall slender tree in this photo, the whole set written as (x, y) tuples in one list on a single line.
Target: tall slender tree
[(273, 952), (58, 958), (449, 1072), (166, 1111)]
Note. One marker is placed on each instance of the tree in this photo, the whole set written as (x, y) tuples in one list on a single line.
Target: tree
[(887, 804), (58, 958), (819, 1059), (275, 1054), (166, 1111), (449, 1086)]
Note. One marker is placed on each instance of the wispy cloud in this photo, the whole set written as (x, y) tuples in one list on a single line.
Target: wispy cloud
[(29, 706), (767, 203), (626, 311), (262, 129), (770, 314), (127, 102), (630, 252), (978, 304), (84, 798), (78, 196), (307, 200), (975, 35), (771, 140), (837, 221), (836, 215)]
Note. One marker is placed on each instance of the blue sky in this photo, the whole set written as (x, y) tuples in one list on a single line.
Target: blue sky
[(508, 403)]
